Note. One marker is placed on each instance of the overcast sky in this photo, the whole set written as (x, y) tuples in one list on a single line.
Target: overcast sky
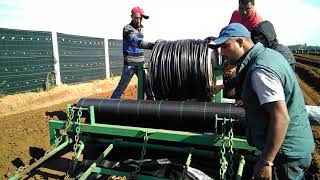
[(295, 21)]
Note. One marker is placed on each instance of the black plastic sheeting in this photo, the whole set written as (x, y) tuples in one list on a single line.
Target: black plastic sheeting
[(175, 115)]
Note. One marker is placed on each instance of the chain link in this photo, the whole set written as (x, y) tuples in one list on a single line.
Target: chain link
[(223, 160), (230, 142), (76, 144), (22, 168), (76, 138), (143, 153)]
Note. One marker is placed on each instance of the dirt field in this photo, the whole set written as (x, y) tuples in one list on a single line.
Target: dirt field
[(24, 120)]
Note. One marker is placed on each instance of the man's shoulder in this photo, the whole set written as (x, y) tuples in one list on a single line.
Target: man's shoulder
[(256, 15), (128, 26), (235, 17)]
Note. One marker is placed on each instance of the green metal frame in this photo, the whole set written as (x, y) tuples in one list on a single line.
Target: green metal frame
[(190, 143), (195, 139), (187, 142), (24, 173), (218, 77)]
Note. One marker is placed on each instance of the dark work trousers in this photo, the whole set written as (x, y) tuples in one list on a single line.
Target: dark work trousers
[(288, 168), (126, 76)]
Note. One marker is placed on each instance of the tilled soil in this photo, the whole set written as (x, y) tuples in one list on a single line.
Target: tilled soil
[(24, 136)]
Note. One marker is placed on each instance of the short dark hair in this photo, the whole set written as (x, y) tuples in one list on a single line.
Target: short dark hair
[(246, 1)]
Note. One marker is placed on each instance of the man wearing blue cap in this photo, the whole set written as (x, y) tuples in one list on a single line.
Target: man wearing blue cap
[(277, 121)]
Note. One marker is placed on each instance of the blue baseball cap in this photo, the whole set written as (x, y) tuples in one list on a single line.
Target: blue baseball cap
[(232, 30)]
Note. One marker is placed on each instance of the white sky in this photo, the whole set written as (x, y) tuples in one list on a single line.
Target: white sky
[(295, 21)]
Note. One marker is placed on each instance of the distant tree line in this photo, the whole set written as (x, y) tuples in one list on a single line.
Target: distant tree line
[(304, 48)]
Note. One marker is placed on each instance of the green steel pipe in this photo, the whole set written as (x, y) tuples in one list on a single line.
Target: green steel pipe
[(80, 150), (41, 160), (242, 162), (92, 117), (189, 159), (197, 152), (219, 77), (188, 162), (98, 161), (122, 143), (157, 134)]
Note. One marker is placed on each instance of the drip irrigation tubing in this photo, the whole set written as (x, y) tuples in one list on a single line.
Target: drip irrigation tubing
[(179, 70)]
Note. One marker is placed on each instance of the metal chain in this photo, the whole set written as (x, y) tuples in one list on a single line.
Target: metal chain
[(70, 115), (223, 160), (21, 168), (143, 153), (70, 118), (77, 142), (230, 142), (76, 138)]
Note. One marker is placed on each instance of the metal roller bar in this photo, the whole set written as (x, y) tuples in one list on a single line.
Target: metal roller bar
[(174, 115), (180, 110)]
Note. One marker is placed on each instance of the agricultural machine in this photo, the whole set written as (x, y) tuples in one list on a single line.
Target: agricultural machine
[(151, 139)]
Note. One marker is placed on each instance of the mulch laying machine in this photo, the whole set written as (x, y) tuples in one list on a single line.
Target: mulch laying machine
[(151, 139)]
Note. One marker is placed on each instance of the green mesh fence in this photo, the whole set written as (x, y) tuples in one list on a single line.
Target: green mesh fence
[(82, 59), (26, 60), (116, 56)]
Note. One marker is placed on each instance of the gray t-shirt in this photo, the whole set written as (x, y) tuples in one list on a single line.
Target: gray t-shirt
[(267, 86)]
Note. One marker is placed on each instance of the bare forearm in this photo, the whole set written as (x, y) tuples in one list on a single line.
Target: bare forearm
[(278, 125)]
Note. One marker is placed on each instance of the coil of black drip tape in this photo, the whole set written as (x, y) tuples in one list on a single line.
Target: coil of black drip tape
[(181, 70)]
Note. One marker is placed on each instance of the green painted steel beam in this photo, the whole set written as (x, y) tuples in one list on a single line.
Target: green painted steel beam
[(124, 143), (242, 162), (21, 174), (123, 173), (219, 77), (155, 134), (197, 151), (98, 161), (92, 116)]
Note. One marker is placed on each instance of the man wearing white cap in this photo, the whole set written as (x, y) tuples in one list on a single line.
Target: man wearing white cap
[(277, 120)]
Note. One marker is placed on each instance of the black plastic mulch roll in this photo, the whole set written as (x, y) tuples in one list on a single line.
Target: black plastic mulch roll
[(175, 115)]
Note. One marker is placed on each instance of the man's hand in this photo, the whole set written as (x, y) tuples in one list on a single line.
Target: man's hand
[(210, 38), (261, 171), (159, 40), (238, 103), (229, 70), (216, 88)]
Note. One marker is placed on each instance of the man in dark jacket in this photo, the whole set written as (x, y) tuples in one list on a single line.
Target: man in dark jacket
[(264, 33), (277, 120), (133, 51)]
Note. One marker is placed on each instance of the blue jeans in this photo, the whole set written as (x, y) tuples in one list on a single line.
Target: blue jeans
[(126, 76), (288, 168)]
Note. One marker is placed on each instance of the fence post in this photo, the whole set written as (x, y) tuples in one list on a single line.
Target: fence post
[(56, 58), (106, 55)]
